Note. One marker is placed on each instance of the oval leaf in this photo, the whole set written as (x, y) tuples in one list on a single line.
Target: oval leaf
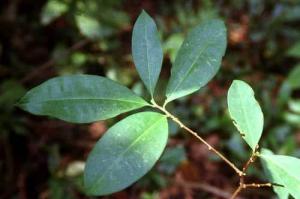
[(281, 192), (245, 112), (80, 99), (285, 170), (126, 152), (198, 59), (147, 51)]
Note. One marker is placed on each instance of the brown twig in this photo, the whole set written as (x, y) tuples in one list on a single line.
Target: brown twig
[(207, 188), (241, 174), (242, 184), (248, 163), (247, 186), (236, 192), (175, 119), (255, 185), (52, 61)]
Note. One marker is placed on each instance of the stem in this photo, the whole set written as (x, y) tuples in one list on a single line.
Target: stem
[(254, 185), (175, 119), (242, 178), (248, 163), (246, 186), (241, 174), (236, 193), (251, 159)]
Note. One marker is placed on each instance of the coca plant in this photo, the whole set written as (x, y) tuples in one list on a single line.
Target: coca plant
[(131, 147)]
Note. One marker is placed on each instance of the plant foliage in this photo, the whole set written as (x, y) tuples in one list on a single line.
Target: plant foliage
[(131, 147)]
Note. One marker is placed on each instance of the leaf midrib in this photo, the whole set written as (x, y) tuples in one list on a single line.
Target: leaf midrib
[(126, 150), (245, 116), (147, 58), (190, 68), (74, 99)]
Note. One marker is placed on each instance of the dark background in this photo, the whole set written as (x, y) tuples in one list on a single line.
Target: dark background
[(43, 157)]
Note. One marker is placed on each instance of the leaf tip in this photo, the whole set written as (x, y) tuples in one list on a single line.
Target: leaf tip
[(144, 14)]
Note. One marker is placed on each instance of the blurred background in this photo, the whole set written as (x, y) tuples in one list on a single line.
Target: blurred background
[(44, 158)]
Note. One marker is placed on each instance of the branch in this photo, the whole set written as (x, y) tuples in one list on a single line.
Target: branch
[(207, 188), (175, 119), (236, 192)]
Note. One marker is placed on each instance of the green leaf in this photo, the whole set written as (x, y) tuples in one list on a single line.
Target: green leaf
[(280, 191), (80, 99), (284, 170), (198, 59), (294, 105), (245, 112), (52, 10), (293, 79), (147, 51), (291, 118), (294, 51), (172, 45), (92, 28), (126, 152)]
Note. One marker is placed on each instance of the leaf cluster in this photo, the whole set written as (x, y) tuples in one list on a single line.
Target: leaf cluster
[(131, 147)]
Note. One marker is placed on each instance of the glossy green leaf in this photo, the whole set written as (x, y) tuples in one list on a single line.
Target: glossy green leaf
[(245, 112), (274, 177), (285, 170), (80, 99), (126, 152), (198, 59), (146, 50)]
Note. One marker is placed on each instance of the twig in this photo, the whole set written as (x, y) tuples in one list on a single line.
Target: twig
[(207, 188), (255, 185), (51, 62), (248, 163), (247, 186), (236, 192), (175, 119), (242, 184), (241, 174)]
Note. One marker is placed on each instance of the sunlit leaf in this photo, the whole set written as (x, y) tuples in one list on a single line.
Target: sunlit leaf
[(126, 152), (294, 105), (80, 99), (52, 10), (283, 170), (172, 45), (198, 59), (292, 118), (146, 50), (92, 28), (245, 112)]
